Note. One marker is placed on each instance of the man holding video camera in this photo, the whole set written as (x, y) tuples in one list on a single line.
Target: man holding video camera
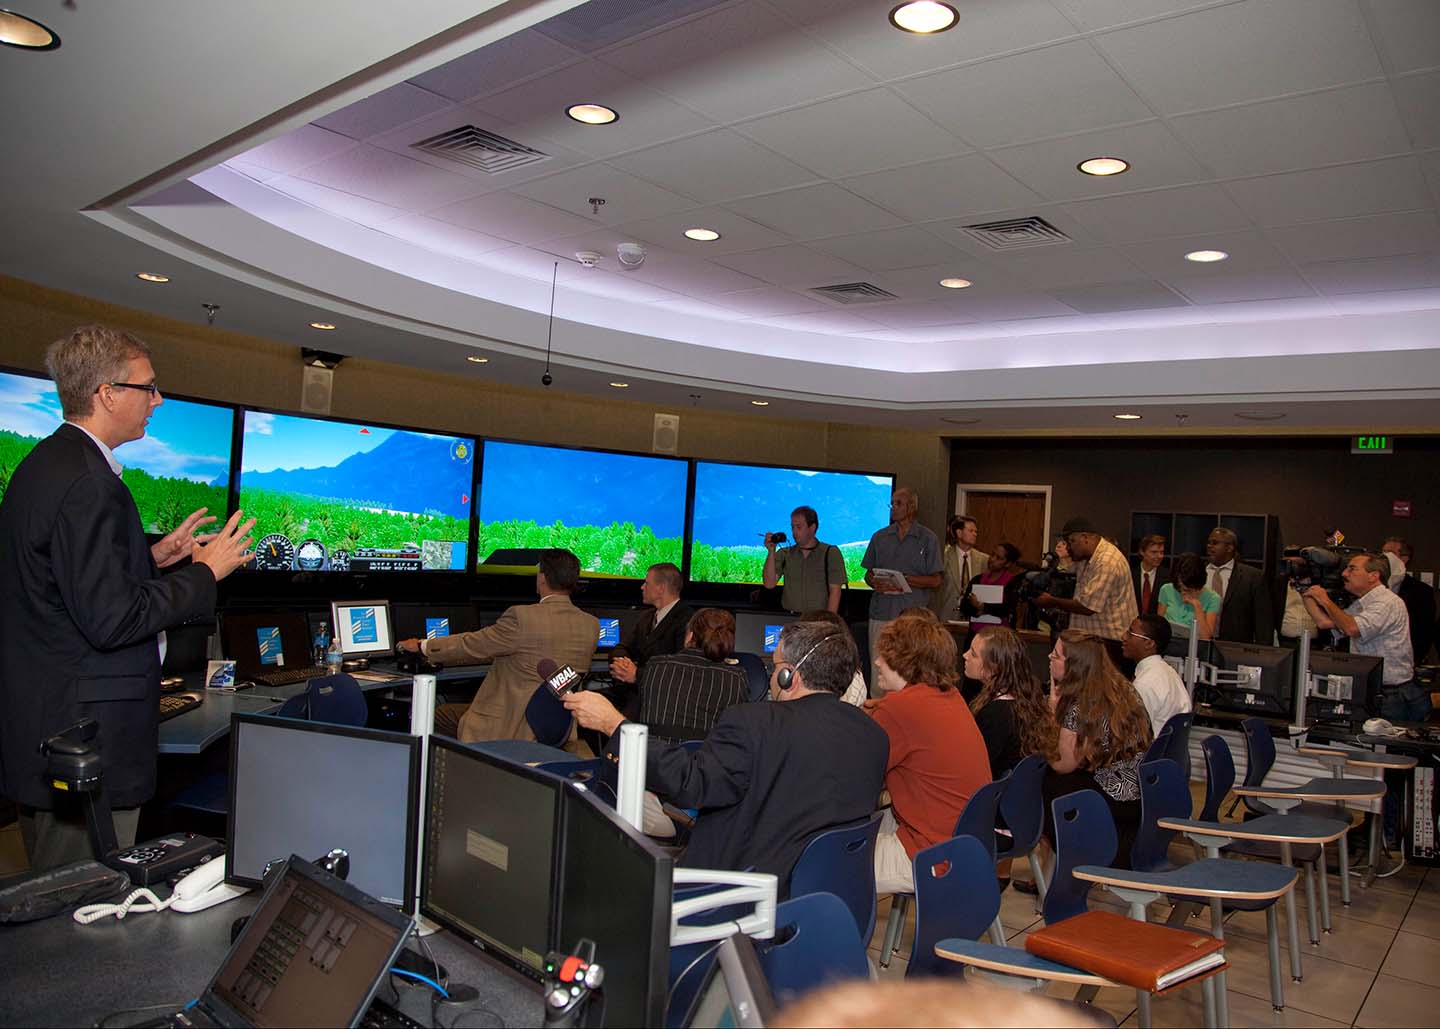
[(813, 571)]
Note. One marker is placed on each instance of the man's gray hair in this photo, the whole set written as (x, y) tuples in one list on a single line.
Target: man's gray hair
[(85, 360), (1379, 564), (828, 652)]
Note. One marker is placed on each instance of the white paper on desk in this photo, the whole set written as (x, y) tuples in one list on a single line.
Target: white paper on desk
[(891, 577), (364, 676), (220, 675)]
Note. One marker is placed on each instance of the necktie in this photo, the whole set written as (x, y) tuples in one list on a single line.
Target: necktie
[(1216, 584), (1145, 591), (964, 573)]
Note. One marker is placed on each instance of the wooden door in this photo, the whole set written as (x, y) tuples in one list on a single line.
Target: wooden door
[(1017, 518)]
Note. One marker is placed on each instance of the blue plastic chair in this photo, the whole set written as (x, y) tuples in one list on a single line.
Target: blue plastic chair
[(1023, 808), (1163, 794), (812, 947), (1219, 776), (1178, 749), (755, 674), (1084, 835), (547, 717), (956, 897), (1259, 759), (842, 861), (331, 698)]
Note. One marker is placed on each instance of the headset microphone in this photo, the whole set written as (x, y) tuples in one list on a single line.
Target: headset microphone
[(785, 676)]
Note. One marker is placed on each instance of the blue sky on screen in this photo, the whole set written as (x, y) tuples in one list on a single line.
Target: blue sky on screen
[(274, 441)]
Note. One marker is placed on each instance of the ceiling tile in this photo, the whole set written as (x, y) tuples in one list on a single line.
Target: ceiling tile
[(1324, 193), (1409, 31), (1054, 267), (793, 265), (1159, 213), (691, 276), (1004, 307), (695, 309), (1374, 275), (1350, 124), (854, 134), (442, 237), (713, 167), (738, 62), (814, 211), (294, 150), (513, 217), (626, 197), (389, 178), (496, 66), (1418, 97), (952, 188), (1230, 288), (1246, 51), (1164, 259), (888, 249), (1382, 235), (912, 316), (1104, 14), (1156, 159), (768, 302), (826, 321), (736, 233), (335, 201), (1060, 89), (923, 283), (1119, 296), (383, 111)]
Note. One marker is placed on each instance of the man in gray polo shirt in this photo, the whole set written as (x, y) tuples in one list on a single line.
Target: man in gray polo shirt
[(813, 571), (905, 547), (1377, 624)]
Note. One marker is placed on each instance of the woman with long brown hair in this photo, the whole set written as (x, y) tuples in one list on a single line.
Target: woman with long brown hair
[(1012, 708), (1103, 734)]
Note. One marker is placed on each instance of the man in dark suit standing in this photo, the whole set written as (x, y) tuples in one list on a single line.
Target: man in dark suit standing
[(1247, 612), (656, 632), (1149, 575), (1419, 598), (84, 600)]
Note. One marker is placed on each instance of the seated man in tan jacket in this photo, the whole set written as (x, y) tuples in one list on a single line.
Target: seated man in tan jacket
[(524, 635)]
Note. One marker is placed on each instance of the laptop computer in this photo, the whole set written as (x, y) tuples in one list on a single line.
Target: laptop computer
[(271, 647), (314, 953)]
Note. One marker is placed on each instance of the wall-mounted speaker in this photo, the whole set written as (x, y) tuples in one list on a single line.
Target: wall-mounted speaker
[(316, 387), (666, 437)]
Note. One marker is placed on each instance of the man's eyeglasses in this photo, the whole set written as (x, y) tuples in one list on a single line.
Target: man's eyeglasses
[(1139, 635), (148, 387)]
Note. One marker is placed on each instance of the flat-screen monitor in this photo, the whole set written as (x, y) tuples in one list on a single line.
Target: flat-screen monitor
[(330, 496), (758, 632), (737, 504), (618, 513), (428, 621), (615, 889), (1345, 684), (1269, 686), (310, 787), (491, 853), (363, 627), (266, 641), (735, 993), (181, 464)]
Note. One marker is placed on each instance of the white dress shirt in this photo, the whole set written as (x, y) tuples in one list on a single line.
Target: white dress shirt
[(1161, 689)]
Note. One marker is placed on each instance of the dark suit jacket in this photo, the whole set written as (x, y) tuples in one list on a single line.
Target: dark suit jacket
[(771, 775), (1420, 603), (1162, 576), (1247, 614), (79, 614), (643, 641)]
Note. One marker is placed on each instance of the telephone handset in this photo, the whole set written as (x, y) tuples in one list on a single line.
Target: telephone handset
[(204, 888)]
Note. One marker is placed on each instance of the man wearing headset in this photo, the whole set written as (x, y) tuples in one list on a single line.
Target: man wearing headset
[(770, 776)]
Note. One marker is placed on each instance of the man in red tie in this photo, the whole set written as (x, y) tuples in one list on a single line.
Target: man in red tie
[(1149, 574)]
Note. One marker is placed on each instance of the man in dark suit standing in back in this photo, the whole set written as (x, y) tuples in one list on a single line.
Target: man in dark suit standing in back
[(1150, 575), (84, 600), (1247, 612), (656, 632)]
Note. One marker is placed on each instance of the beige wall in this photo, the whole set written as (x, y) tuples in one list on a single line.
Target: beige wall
[(235, 368)]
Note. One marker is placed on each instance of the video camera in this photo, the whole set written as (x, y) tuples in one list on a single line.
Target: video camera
[(1322, 566), (1047, 579)]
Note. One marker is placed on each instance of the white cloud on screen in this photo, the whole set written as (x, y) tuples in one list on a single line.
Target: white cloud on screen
[(259, 423)]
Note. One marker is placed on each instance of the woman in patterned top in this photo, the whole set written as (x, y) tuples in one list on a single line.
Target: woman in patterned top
[(1103, 734)]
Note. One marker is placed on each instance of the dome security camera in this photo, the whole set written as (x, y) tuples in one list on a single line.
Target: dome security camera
[(630, 255)]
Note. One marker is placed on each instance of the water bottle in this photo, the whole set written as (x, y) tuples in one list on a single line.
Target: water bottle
[(333, 659), (322, 643)]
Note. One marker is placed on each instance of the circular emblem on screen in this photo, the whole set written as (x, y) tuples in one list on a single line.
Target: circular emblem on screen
[(460, 450)]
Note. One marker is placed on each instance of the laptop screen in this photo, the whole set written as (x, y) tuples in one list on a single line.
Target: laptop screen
[(313, 953), (267, 642), (363, 627)]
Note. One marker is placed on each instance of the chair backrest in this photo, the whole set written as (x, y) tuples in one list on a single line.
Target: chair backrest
[(1084, 835), (1023, 804), (547, 717), (956, 897), (842, 861), (1179, 747), (1164, 793), (1259, 759), (978, 817), (1219, 776), (813, 947), (337, 699), (1160, 745), (755, 674)]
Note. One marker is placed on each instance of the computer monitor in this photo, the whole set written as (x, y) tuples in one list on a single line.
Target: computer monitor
[(428, 621), (363, 627), (310, 787), (758, 632), (491, 853), (266, 642), (735, 993), (1345, 685), (615, 888), (1268, 690)]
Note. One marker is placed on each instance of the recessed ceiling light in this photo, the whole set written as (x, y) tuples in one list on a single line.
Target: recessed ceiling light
[(621, 385), (25, 33), (151, 277), (1104, 166), (924, 17), (477, 360), (761, 403), (1206, 256), (322, 326), (1260, 416), (955, 283), (1127, 417), (703, 235), (592, 114)]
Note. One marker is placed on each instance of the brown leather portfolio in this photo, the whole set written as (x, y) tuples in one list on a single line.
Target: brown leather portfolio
[(1139, 954)]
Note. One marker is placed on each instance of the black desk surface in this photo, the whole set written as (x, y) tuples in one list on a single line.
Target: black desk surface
[(61, 973)]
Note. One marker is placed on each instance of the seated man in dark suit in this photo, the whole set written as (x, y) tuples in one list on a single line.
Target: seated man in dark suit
[(1150, 574), (1247, 611), (655, 632), (770, 776)]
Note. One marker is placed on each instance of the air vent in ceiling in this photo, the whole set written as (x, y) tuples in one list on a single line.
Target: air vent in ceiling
[(480, 149), (1015, 233), (854, 293)]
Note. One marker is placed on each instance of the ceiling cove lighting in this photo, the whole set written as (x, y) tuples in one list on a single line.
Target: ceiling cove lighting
[(702, 235), (1206, 256), (1103, 166), (151, 277), (924, 17), (621, 385), (1127, 417), (592, 114), (478, 360), (956, 283), (323, 326), (25, 33)]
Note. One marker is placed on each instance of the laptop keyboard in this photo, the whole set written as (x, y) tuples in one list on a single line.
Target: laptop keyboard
[(172, 704), (290, 676)]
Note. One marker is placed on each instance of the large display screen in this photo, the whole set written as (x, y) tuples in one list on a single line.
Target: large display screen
[(341, 496), (618, 513), (181, 464), (736, 504)]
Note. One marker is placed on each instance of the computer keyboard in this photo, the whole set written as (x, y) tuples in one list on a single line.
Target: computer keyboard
[(172, 704), (381, 1015), (291, 676)]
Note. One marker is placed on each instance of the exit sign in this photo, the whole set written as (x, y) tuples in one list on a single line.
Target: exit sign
[(1372, 444)]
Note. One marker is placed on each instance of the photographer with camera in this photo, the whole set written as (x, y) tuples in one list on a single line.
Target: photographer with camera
[(1104, 602), (1377, 624), (814, 572)]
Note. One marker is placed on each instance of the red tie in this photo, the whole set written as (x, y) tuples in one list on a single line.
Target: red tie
[(1145, 592)]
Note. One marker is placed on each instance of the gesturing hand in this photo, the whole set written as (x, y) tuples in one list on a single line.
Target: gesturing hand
[(179, 543), (227, 549)]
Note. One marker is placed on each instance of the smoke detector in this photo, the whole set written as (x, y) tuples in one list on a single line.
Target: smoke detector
[(631, 255), (588, 258)]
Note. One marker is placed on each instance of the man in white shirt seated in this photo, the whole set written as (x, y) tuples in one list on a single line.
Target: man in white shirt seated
[(1160, 686)]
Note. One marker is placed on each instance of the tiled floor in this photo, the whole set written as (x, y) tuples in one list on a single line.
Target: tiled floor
[(1380, 967)]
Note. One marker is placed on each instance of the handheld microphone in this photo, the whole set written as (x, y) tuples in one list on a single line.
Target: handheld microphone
[(560, 680)]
